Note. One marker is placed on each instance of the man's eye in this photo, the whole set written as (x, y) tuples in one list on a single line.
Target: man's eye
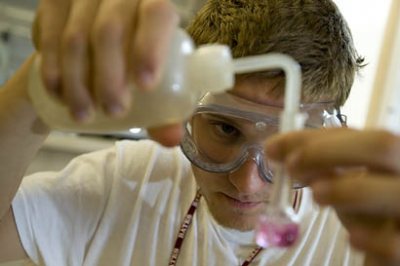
[(226, 130)]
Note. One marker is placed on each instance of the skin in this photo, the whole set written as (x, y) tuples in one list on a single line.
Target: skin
[(92, 49), (22, 134), (357, 173), (236, 199)]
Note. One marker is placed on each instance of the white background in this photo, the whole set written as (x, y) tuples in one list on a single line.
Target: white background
[(367, 21)]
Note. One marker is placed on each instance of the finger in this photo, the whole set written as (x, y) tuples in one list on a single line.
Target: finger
[(48, 29), (351, 219), (76, 58), (169, 135), (342, 148), (110, 40), (381, 244), (316, 174), (279, 146), (372, 194), (156, 23), (375, 261)]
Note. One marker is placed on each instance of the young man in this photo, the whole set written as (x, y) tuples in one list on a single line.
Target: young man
[(130, 204)]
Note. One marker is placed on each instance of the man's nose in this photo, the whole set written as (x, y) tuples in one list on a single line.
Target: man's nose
[(247, 178)]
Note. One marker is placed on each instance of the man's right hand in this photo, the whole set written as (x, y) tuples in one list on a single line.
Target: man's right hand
[(358, 174), (91, 49)]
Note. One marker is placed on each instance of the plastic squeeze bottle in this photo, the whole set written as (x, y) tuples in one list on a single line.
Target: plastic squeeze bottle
[(189, 72)]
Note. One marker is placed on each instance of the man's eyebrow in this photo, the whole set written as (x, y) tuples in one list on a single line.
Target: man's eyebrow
[(225, 118), (240, 121)]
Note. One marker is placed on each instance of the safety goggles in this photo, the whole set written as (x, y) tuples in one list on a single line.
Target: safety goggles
[(225, 131)]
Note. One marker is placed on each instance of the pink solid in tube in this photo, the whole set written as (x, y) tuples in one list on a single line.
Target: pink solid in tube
[(276, 231)]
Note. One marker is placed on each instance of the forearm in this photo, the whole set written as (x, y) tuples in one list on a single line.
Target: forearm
[(21, 134)]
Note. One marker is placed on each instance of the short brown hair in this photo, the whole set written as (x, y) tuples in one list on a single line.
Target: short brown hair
[(313, 32)]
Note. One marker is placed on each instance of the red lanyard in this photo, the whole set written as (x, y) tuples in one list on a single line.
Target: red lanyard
[(188, 220)]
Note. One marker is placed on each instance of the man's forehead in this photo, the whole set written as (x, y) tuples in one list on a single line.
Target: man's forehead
[(238, 107), (266, 91), (270, 91)]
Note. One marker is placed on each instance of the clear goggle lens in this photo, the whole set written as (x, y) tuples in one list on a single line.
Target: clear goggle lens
[(226, 131)]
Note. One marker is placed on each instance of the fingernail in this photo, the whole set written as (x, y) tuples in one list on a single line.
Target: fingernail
[(116, 110), (146, 78), (82, 115)]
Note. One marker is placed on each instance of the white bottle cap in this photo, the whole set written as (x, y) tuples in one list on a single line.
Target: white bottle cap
[(211, 68)]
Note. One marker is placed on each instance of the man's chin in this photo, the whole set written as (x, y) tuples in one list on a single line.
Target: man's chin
[(242, 219), (237, 222)]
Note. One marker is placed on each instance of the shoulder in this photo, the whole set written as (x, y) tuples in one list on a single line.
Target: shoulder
[(148, 158), (97, 173), (145, 150), (153, 174), (324, 238)]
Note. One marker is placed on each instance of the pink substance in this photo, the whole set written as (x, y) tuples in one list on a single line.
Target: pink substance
[(276, 232)]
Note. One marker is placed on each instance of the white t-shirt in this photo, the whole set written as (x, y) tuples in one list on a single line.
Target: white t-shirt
[(125, 205)]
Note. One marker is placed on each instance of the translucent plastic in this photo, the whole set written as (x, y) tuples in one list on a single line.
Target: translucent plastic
[(188, 74), (279, 226)]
